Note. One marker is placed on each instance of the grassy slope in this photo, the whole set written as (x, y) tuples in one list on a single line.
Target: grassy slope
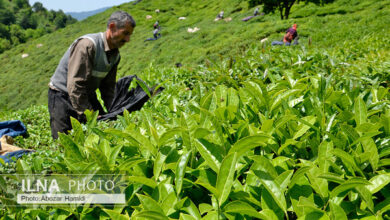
[(23, 82)]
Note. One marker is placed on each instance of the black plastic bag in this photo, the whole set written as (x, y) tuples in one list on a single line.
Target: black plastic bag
[(132, 100)]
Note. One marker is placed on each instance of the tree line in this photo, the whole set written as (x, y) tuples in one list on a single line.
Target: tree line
[(283, 6), (19, 22)]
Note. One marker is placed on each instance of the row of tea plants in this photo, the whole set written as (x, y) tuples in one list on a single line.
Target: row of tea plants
[(281, 133)]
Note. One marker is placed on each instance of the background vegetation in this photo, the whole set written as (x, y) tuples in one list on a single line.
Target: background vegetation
[(257, 132), (20, 22), (23, 82)]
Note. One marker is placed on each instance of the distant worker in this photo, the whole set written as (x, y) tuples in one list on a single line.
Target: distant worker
[(219, 16), (90, 63), (291, 34), (156, 25), (256, 12), (156, 32)]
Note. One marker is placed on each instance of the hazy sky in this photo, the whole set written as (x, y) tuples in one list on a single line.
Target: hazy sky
[(78, 5)]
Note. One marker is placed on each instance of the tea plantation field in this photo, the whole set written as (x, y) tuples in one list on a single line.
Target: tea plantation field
[(300, 132)]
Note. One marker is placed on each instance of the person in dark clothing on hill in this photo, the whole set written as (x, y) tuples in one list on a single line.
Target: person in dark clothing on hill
[(156, 34), (156, 25), (90, 63), (291, 34), (256, 12), (219, 16)]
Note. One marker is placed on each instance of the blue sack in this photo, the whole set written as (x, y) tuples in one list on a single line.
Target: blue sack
[(12, 128), (8, 157)]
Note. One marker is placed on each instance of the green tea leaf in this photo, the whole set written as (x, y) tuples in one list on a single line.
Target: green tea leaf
[(265, 165), (72, 150), (129, 163), (303, 128), (22, 167), (360, 111), (116, 214), (247, 143), (99, 157), (225, 177), (114, 154), (337, 212), (188, 206), (298, 174), (324, 153), (366, 195), (158, 164), (201, 133), (144, 87), (284, 179), (283, 95), (77, 131), (348, 160), (210, 153), (209, 187), (143, 180), (243, 208), (180, 171), (150, 204), (350, 132), (378, 182), (371, 148), (273, 188), (384, 162), (204, 208), (209, 102), (348, 185), (152, 215), (332, 178), (186, 217), (185, 133)]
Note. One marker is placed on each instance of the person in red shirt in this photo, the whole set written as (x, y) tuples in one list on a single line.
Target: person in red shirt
[(291, 34)]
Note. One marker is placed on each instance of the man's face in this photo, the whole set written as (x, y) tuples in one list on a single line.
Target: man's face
[(120, 36)]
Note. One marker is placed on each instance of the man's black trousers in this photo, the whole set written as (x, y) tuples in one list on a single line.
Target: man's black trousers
[(60, 110)]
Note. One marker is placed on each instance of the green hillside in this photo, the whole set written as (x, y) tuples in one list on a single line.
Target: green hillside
[(23, 82), (242, 131)]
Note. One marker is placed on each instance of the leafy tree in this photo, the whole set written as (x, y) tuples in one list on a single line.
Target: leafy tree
[(60, 20), (38, 7), (20, 22), (22, 3), (283, 6), (4, 32), (6, 17), (25, 19), (17, 34)]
